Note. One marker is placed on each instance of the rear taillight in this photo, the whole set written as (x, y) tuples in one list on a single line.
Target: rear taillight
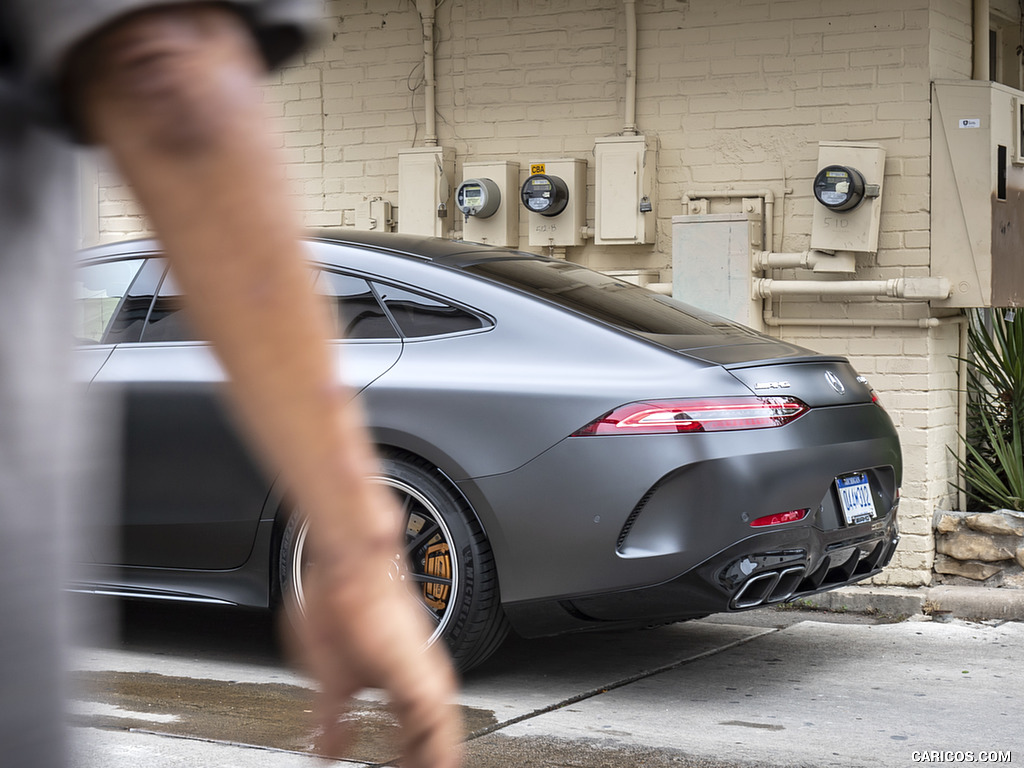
[(793, 516), (719, 414)]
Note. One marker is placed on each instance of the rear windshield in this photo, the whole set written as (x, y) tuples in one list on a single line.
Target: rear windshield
[(605, 298)]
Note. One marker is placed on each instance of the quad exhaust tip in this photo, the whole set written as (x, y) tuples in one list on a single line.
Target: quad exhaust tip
[(770, 587)]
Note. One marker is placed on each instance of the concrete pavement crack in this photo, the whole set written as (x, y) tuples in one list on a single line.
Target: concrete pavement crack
[(642, 675)]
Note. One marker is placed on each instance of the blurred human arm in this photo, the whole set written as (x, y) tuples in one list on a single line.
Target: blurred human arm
[(172, 93)]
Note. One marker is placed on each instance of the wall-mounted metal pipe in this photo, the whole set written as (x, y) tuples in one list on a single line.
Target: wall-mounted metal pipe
[(720, 194), (909, 288), (630, 127), (961, 407), (765, 260), (665, 289), (818, 261), (426, 10), (853, 322), (980, 69), (766, 288)]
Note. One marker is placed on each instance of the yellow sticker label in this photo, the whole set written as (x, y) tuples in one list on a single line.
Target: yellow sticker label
[(537, 168)]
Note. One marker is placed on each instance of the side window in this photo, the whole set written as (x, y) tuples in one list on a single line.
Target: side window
[(167, 320), (358, 314), (99, 288), (131, 316), (418, 315)]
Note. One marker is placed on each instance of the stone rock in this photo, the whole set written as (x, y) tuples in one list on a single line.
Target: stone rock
[(1020, 557), (947, 523), (996, 524), (1015, 514), (1014, 580), (966, 545), (970, 570)]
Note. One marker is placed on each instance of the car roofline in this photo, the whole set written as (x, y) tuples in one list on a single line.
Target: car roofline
[(125, 248), (451, 253)]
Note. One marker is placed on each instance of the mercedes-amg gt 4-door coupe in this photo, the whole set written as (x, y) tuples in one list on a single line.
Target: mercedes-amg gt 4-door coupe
[(571, 451)]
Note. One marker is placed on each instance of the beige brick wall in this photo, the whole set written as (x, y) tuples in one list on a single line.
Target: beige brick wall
[(736, 94)]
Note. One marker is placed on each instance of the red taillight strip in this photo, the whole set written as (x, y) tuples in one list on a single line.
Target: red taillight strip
[(794, 515), (704, 415)]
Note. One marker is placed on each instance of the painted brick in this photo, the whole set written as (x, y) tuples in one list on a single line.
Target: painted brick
[(736, 96)]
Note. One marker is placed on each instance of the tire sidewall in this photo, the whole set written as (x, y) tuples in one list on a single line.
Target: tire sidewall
[(457, 519)]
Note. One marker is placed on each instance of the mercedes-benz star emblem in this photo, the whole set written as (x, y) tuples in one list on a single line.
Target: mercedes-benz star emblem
[(835, 383)]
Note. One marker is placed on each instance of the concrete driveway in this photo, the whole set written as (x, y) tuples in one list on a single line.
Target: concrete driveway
[(190, 687)]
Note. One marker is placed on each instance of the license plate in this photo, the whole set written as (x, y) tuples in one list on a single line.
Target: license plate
[(855, 498)]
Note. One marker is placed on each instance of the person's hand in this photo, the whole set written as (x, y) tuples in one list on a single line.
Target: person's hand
[(363, 629)]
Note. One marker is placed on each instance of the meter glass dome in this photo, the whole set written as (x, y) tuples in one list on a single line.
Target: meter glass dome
[(472, 196), (478, 197), (546, 195), (839, 187)]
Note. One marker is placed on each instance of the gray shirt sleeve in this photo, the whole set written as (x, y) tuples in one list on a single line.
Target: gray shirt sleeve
[(43, 33)]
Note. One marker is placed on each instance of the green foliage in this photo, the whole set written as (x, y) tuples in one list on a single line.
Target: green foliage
[(992, 471)]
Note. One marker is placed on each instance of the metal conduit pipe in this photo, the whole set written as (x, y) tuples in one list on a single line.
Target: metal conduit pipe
[(630, 127), (961, 405), (426, 9), (854, 322), (766, 194), (980, 69), (764, 260), (910, 288), (766, 287), (812, 259)]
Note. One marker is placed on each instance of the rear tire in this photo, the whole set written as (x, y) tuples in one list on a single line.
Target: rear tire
[(447, 559)]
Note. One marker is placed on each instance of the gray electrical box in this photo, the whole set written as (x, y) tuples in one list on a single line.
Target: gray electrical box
[(711, 266), (623, 191), (977, 205), (425, 177)]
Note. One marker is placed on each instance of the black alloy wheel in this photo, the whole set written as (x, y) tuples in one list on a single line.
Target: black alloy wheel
[(447, 561)]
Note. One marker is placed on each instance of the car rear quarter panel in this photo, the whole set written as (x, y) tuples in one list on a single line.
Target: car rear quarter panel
[(562, 514)]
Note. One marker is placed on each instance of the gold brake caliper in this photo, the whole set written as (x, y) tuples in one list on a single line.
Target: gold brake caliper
[(438, 564)]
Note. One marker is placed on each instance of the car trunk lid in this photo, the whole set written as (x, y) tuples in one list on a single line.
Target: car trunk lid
[(769, 366), (820, 382)]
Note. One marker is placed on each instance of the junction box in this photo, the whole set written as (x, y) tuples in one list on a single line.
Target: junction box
[(425, 191), (977, 195), (711, 266), (623, 191)]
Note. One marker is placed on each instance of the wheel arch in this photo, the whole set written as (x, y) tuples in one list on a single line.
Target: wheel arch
[(445, 545), (279, 506), (456, 488)]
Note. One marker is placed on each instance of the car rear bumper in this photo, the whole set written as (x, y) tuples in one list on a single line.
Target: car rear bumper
[(659, 528), (763, 570)]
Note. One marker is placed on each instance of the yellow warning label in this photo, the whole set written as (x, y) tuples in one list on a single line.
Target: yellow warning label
[(537, 168)]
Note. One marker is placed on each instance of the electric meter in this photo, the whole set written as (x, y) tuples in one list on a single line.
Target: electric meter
[(839, 187), (546, 195), (478, 197)]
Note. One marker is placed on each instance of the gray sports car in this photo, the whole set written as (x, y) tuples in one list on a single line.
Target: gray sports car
[(571, 451)]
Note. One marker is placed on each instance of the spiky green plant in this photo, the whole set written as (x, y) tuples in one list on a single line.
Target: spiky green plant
[(992, 471)]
